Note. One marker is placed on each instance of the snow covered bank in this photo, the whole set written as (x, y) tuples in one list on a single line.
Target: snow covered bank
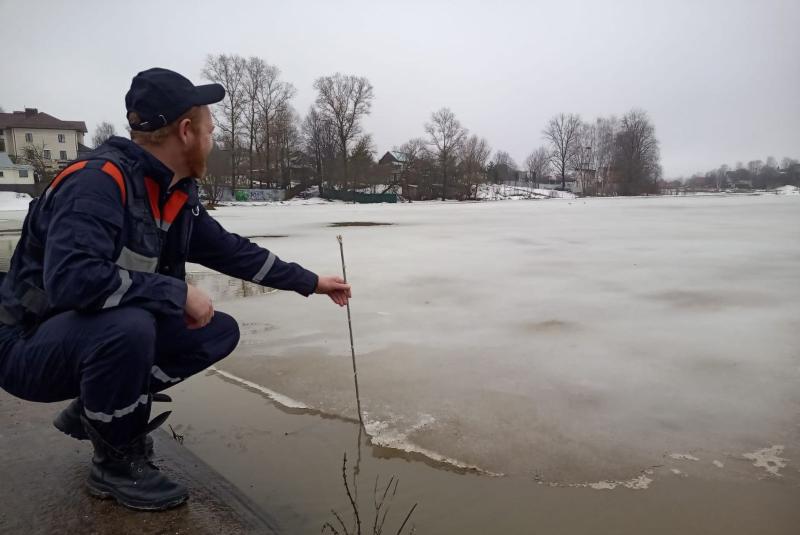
[(787, 190), (10, 200)]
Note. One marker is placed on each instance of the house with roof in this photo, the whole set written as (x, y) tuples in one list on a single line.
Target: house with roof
[(57, 140), (397, 160), (11, 173)]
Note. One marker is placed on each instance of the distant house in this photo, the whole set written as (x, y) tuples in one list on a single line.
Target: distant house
[(397, 160), (394, 157), (11, 173), (58, 140)]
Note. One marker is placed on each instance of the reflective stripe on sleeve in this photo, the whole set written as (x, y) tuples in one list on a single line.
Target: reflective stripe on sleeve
[(125, 283), (265, 268)]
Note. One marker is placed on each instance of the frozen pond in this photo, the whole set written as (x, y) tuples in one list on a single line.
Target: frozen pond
[(573, 341)]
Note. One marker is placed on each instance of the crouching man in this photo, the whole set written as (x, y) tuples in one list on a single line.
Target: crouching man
[(95, 307)]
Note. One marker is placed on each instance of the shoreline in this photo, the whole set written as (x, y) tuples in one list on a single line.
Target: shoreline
[(292, 463)]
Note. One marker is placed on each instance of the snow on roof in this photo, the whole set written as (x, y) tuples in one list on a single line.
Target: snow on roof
[(399, 156)]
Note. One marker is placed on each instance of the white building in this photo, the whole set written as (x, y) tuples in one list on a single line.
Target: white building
[(57, 140), (11, 173)]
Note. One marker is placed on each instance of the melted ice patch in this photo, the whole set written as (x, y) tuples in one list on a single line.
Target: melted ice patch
[(769, 459), (383, 434), (642, 482), (683, 457)]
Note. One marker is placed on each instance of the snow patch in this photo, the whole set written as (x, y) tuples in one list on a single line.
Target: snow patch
[(787, 190), (717, 463), (10, 200), (769, 459)]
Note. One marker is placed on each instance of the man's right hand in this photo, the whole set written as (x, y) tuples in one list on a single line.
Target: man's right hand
[(198, 310)]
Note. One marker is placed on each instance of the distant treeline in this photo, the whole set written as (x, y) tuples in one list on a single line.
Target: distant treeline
[(264, 142), (756, 174)]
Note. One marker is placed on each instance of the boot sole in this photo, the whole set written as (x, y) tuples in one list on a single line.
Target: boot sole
[(105, 494)]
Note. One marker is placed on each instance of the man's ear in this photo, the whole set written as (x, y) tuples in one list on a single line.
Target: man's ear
[(183, 129)]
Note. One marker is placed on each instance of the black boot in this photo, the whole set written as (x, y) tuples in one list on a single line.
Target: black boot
[(69, 422), (127, 475)]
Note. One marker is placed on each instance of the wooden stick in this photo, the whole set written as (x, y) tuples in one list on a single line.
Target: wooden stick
[(350, 326)]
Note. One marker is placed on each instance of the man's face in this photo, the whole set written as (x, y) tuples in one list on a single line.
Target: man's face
[(202, 142)]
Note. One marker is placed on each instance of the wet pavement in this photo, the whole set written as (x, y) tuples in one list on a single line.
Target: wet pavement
[(43, 492)]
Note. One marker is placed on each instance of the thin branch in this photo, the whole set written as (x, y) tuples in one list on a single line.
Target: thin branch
[(399, 531)]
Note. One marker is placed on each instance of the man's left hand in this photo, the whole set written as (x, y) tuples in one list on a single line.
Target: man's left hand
[(335, 288)]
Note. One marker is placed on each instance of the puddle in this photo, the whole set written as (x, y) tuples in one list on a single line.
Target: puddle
[(222, 288), (359, 224)]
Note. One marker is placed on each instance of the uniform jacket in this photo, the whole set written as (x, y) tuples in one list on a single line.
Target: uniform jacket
[(110, 232)]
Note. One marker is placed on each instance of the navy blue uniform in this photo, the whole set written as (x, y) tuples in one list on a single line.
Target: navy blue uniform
[(93, 303)]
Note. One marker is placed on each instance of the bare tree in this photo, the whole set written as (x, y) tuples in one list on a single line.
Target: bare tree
[(537, 162), (637, 155), (212, 184), (253, 86), (344, 100), (445, 136), (34, 155), (319, 140), (101, 134), (273, 100), (755, 166), (606, 131), (415, 152), (562, 135), (230, 71), (721, 176), (475, 153), (287, 141)]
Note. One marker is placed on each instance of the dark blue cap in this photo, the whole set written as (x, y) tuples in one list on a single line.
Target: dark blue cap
[(160, 96)]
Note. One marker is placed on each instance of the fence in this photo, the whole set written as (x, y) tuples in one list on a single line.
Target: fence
[(362, 198)]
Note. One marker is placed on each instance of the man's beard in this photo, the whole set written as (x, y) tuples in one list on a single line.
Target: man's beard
[(196, 159)]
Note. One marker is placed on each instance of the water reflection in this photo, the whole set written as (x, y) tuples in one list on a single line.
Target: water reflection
[(221, 287)]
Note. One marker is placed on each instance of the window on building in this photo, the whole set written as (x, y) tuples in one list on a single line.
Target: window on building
[(23, 173), (63, 155), (1, 174), (28, 137), (61, 138), (46, 154), (2, 145)]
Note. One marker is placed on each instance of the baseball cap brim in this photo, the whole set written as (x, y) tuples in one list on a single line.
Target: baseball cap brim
[(208, 94)]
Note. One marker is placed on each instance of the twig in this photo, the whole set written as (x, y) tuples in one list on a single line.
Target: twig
[(406, 520), (341, 522), (350, 326), (175, 436), (350, 496)]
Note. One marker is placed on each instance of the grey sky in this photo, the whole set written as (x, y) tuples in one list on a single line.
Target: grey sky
[(721, 80)]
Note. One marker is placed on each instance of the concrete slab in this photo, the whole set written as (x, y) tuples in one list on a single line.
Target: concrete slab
[(43, 489)]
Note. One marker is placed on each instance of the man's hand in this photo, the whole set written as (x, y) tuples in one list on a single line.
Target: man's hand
[(198, 310), (335, 288)]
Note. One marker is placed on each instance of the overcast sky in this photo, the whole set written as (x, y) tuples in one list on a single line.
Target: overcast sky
[(720, 80)]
